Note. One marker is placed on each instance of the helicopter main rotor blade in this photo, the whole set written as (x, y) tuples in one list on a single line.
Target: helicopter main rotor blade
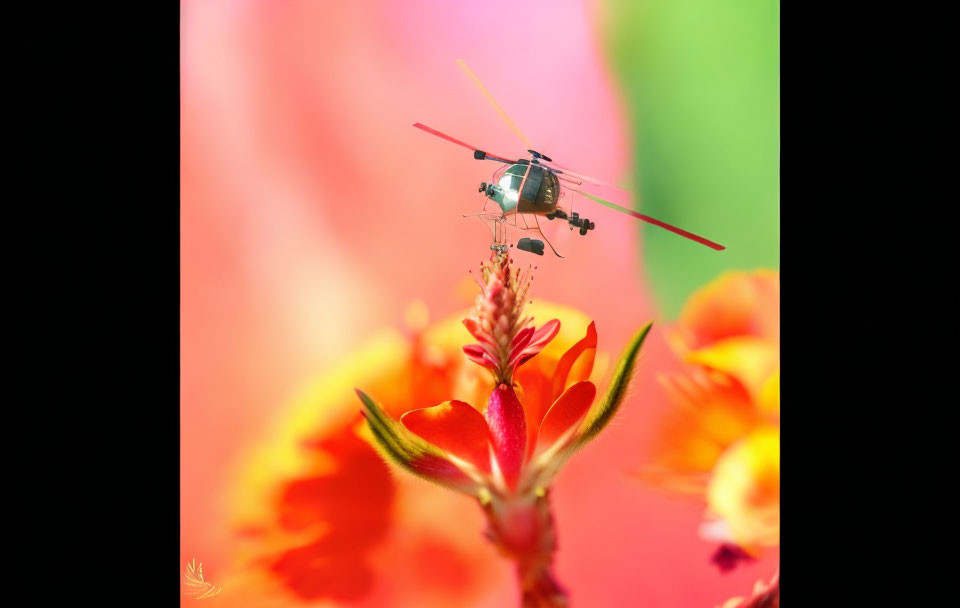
[(453, 140), (567, 178), (561, 169), (526, 141), (493, 102), (655, 222)]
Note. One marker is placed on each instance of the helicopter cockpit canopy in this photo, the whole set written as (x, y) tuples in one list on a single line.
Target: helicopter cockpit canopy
[(506, 191)]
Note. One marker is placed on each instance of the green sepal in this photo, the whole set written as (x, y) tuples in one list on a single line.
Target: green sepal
[(398, 445), (601, 412), (597, 417)]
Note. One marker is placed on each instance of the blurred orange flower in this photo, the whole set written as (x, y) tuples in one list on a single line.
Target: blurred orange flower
[(722, 438), (320, 517)]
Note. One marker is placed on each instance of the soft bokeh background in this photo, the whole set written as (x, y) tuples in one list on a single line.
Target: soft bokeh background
[(313, 215), (702, 84)]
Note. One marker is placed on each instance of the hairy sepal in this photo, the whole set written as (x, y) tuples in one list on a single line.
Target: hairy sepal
[(602, 412), (597, 417), (405, 449)]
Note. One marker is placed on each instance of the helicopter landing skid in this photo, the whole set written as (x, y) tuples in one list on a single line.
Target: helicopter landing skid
[(497, 224)]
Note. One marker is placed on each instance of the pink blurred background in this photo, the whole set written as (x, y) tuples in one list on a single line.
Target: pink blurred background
[(313, 214)]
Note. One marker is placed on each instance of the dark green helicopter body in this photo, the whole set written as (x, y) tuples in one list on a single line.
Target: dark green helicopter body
[(524, 188)]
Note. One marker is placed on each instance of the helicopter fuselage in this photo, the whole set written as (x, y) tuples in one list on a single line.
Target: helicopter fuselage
[(524, 187)]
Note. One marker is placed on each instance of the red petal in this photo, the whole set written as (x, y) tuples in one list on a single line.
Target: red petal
[(476, 354), (509, 430), (489, 349), (454, 427), (522, 357), (522, 338), (476, 331), (587, 347), (545, 333), (566, 412), (537, 343)]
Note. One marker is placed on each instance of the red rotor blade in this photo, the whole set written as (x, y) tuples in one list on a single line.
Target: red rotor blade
[(453, 140), (655, 222)]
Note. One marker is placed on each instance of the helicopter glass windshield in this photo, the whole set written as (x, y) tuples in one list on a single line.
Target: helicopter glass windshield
[(511, 179)]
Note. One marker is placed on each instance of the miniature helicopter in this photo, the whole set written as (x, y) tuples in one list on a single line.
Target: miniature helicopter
[(526, 188)]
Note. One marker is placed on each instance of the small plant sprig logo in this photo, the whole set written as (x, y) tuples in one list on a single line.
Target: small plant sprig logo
[(195, 585)]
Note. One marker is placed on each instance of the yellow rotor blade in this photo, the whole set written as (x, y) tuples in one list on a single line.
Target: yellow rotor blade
[(493, 102)]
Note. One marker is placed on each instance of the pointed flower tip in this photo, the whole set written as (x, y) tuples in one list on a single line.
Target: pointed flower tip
[(367, 402), (583, 351), (603, 411)]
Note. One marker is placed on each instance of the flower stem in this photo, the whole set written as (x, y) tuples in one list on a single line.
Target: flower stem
[(522, 529)]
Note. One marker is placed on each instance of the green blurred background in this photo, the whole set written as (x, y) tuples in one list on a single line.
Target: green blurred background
[(702, 85)]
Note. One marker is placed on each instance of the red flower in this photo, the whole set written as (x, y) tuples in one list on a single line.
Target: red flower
[(318, 513), (518, 443), (507, 455)]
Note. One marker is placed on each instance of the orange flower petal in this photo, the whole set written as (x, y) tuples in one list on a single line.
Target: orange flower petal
[(456, 428), (341, 521), (745, 488), (709, 413), (752, 361), (587, 347), (566, 412), (769, 400), (735, 304)]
